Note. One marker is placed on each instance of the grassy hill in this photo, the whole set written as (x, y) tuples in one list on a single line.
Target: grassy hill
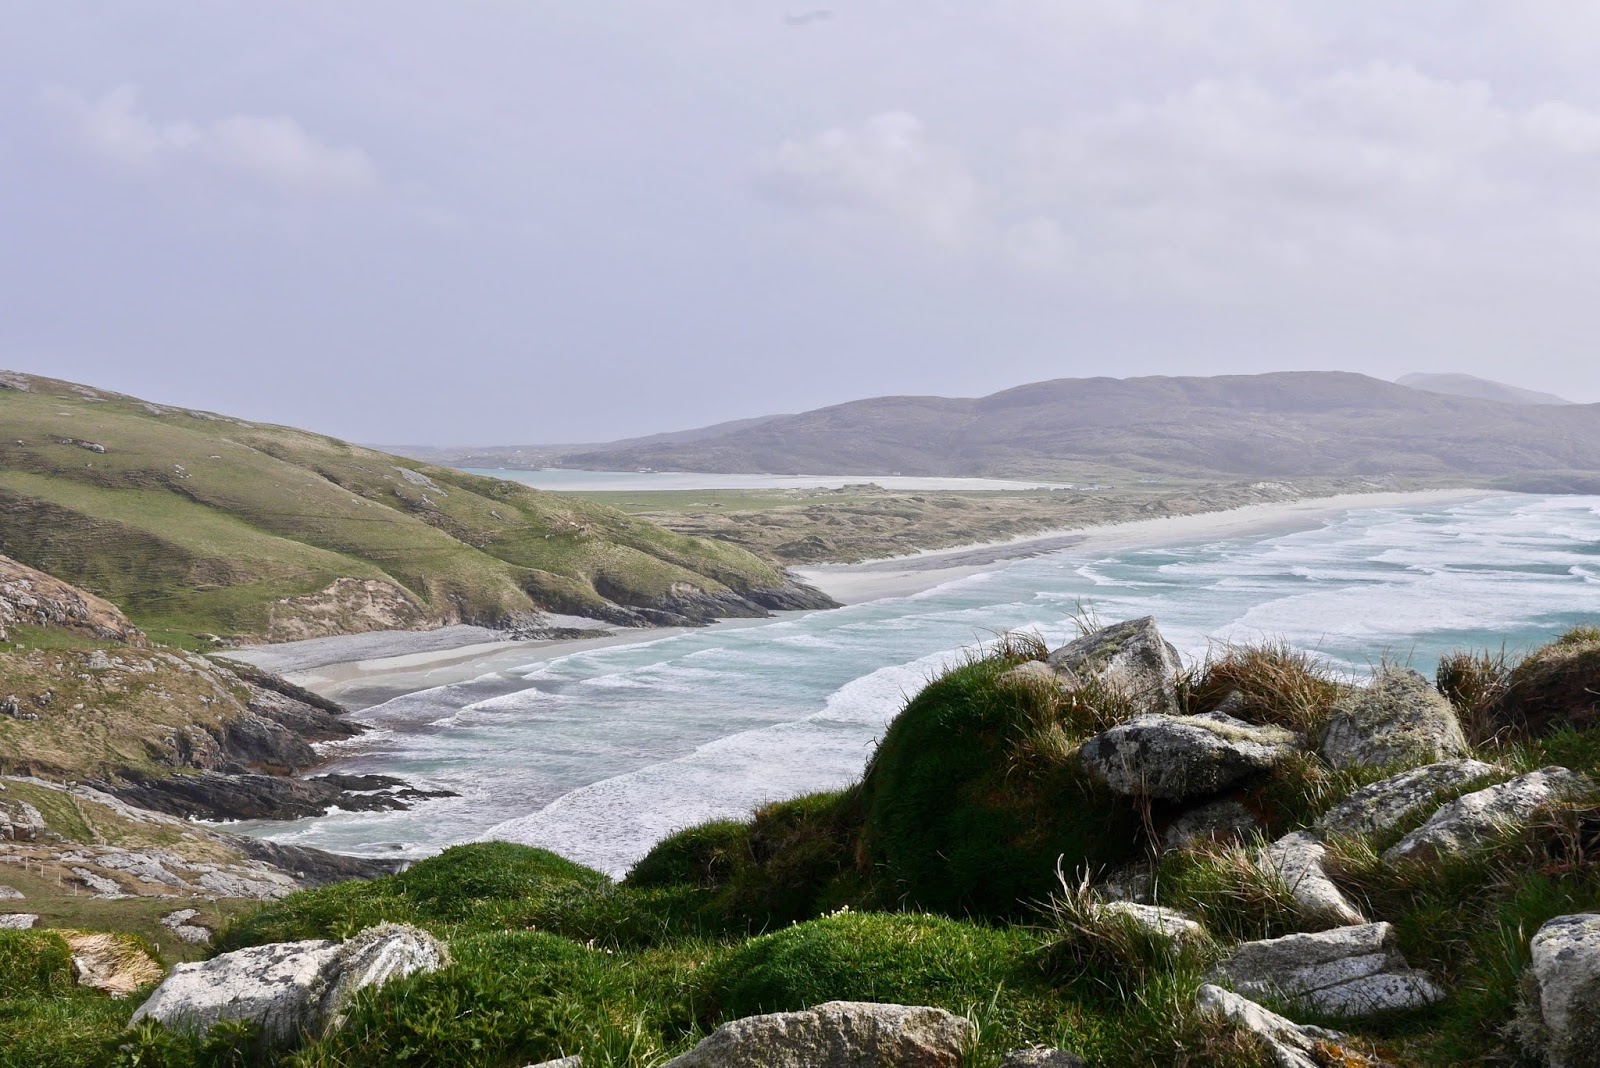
[(1289, 424), (200, 525)]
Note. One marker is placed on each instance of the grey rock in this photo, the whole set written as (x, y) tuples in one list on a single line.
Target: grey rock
[(1477, 819), (1178, 758), (178, 923), (1042, 1058), (1399, 719), (1219, 821), (1348, 971), (839, 1034), (1036, 673), (1560, 1015), (11, 893), (1386, 804), (564, 1062), (289, 988), (1170, 924), (1131, 658), (17, 921), (1298, 859), (101, 886), (20, 822), (1291, 1045), (1132, 882)]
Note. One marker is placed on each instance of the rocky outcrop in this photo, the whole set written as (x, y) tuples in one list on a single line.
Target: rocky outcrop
[(17, 921), (19, 821), (245, 796), (839, 1034), (1398, 719), (1389, 803), (289, 989), (1299, 860), (1182, 758), (179, 924), (1478, 819), (1290, 1045), (1560, 1014), (1348, 971), (34, 598), (1130, 658)]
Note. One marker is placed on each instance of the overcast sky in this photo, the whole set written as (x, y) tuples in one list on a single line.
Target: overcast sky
[(541, 221)]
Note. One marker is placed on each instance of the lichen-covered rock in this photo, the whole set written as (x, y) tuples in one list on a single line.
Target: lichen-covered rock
[(1298, 859), (1131, 658), (1041, 1058), (17, 921), (1387, 804), (178, 923), (11, 893), (1477, 819), (20, 822), (1179, 758), (289, 988), (1154, 921), (1220, 821), (1399, 719), (1348, 971), (1291, 1045), (563, 1062), (839, 1034), (1560, 1015)]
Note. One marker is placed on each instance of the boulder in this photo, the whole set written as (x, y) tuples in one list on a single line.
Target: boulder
[(1220, 821), (1179, 758), (10, 893), (1560, 1015), (839, 1034), (1290, 1045), (1348, 971), (1298, 859), (178, 923), (1399, 719), (563, 1062), (1151, 920), (1042, 1058), (289, 988), (1477, 819), (20, 822), (1131, 658), (1387, 804), (17, 921)]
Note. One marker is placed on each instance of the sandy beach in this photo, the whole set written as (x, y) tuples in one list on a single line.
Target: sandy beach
[(360, 670), (901, 576)]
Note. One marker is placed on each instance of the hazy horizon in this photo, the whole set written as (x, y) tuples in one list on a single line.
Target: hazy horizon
[(502, 224)]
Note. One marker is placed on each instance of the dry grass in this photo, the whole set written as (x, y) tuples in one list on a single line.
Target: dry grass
[(1275, 683)]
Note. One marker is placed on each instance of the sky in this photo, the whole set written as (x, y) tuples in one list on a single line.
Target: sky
[(539, 222)]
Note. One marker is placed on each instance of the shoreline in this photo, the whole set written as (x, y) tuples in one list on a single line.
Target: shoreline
[(362, 670), (903, 576)]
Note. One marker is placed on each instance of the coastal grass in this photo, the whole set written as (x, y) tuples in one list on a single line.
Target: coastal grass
[(198, 525)]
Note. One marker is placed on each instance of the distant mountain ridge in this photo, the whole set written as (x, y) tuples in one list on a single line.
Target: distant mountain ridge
[(1283, 424), (1461, 385)]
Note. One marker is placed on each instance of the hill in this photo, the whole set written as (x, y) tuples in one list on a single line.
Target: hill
[(1287, 424), (203, 527), (1459, 385)]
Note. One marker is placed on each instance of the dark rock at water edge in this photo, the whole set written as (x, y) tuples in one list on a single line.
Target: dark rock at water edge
[(217, 795)]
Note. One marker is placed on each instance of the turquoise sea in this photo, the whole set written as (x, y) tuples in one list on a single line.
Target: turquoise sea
[(599, 753)]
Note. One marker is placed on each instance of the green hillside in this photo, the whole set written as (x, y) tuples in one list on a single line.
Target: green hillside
[(199, 525)]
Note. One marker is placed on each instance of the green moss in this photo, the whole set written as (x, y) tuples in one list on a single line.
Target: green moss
[(960, 815)]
